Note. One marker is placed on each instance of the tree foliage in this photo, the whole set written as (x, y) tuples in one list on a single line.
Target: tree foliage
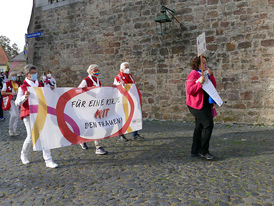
[(11, 50)]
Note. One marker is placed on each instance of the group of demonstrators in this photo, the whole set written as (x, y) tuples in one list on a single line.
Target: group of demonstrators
[(92, 80), (9, 90), (13, 96), (12, 90), (48, 80), (199, 103)]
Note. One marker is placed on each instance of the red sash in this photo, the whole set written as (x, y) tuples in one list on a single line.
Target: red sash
[(7, 98), (6, 102), (126, 78), (90, 83)]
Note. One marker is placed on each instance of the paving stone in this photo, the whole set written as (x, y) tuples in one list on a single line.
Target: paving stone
[(223, 204), (157, 171), (256, 204), (213, 198), (268, 204), (252, 187)]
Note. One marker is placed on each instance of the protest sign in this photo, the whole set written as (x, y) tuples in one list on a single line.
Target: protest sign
[(201, 44), (209, 88), (67, 116)]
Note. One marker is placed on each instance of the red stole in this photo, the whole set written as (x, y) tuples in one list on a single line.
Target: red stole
[(126, 78), (25, 106)]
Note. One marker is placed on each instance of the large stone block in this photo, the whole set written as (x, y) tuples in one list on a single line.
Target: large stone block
[(246, 95), (230, 46), (268, 43), (212, 2), (244, 45)]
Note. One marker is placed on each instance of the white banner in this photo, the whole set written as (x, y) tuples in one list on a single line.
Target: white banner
[(67, 116)]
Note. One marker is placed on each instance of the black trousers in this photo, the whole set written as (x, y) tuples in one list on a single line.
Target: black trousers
[(203, 129), (1, 110)]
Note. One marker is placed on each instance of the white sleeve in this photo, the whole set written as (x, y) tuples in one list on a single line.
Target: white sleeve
[(4, 87), (83, 84), (116, 82), (53, 81), (21, 98)]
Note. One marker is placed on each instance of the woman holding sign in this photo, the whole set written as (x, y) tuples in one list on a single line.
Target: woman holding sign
[(31, 80), (92, 80), (9, 92), (200, 105), (125, 77)]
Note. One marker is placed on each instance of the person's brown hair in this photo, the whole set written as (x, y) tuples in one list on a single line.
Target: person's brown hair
[(29, 67), (196, 62)]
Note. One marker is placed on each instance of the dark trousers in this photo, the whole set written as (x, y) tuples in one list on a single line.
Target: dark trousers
[(203, 129), (1, 110), (133, 134)]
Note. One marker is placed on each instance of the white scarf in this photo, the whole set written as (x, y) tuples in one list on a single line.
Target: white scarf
[(31, 83), (97, 84)]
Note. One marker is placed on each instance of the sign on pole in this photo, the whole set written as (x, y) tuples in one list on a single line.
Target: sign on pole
[(201, 44), (31, 35)]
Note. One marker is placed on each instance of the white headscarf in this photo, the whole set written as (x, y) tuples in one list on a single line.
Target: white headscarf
[(122, 66)]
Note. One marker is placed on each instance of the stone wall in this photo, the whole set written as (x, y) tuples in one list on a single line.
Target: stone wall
[(240, 42)]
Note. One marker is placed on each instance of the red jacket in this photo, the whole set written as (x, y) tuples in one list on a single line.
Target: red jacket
[(9, 87), (25, 106), (126, 78), (194, 91)]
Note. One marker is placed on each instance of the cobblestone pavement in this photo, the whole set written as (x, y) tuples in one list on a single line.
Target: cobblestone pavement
[(157, 171)]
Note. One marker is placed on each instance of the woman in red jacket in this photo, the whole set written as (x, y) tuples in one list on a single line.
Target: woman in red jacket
[(9, 92), (22, 100), (200, 106)]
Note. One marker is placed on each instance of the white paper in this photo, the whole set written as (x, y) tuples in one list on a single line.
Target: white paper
[(209, 88)]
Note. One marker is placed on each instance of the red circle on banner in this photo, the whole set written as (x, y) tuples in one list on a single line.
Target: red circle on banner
[(71, 136)]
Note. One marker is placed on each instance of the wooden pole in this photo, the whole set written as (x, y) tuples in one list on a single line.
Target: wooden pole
[(202, 68)]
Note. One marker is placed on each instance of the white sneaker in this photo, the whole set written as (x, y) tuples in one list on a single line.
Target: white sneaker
[(84, 146), (16, 133), (11, 133), (51, 164), (24, 159), (100, 151)]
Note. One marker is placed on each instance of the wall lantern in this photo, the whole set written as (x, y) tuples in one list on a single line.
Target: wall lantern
[(163, 18)]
